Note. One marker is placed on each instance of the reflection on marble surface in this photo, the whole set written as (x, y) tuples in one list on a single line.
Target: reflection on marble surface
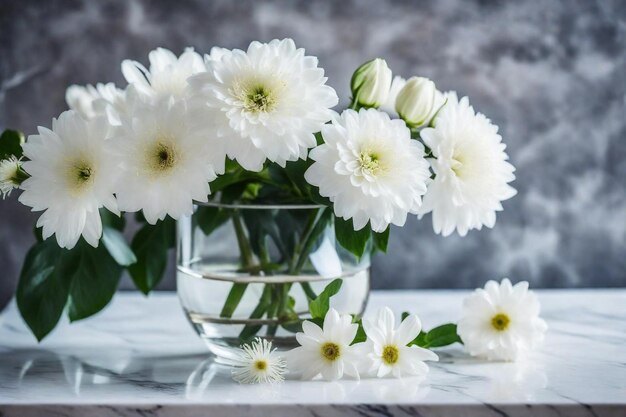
[(140, 357)]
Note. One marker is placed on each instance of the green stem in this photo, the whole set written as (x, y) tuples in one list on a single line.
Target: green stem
[(275, 290), (300, 254), (247, 259), (274, 308), (250, 331), (308, 290)]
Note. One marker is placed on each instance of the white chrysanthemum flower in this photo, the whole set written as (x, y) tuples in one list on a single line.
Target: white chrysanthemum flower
[(73, 173), (370, 168), (389, 105), (254, 363), (267, 102), (9, 175), (166, 162), (472, 172), (167, 75), (326, 351), (90, 101), (387, 346), (501, 321)]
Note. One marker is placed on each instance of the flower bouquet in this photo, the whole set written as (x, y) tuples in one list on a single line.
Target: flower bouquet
[(278, 199)]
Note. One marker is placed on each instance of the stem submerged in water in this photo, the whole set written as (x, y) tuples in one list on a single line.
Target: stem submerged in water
[(247, 262), (275, 301)]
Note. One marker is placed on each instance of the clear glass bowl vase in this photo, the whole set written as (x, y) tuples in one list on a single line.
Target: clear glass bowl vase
[(250, 270)]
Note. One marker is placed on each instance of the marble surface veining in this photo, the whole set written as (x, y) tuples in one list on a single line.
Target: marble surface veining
[(551, 74), (140, 358)]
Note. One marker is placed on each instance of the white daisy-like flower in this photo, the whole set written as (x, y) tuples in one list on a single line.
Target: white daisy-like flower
[(265, 103), (387, 346), (73, 173), (90, 101), (167, 75), (472, 172), (165, 160), (10, 175), (501, 321), (326, 350), (370, 168), (254, 363), (389, 105)]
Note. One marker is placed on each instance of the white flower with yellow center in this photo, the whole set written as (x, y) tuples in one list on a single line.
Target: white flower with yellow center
[(326, 350), (266, 102), (90, 101), (254, 363), (387, 346), (370, 168), (167, 75), (10, 175), (472, 172), (73, 173), (501, 321), (166, 163)]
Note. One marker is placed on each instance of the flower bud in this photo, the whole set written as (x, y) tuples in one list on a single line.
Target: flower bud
[(371, 83), (415, 103)]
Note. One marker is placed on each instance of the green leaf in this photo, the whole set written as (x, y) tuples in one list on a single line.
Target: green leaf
[(319, 307), (295, 173), (235, 174), (232, 300), (11, 142), (442, 336), (381, 240), (113, 220), (420, 340), (353, 241), (116, 244), (150, 246), (38, 232), (260, 225), (360, 336), (94, 281), (292, 326), (210, 218), (83, 278), (44, 286), (317, 198)]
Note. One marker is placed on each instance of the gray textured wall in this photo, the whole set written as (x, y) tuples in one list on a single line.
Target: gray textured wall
[(551, 74)]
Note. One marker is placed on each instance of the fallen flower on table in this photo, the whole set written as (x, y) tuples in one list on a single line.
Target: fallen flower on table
[(255, 362), (387, 346), (501, 321), (327, 350)]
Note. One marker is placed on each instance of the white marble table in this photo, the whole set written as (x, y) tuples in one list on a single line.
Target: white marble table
[(141, 358)]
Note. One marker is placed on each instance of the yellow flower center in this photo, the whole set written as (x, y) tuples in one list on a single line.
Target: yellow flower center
[(391, 354), (260, 365), (330, 351), (80, 174), (257, 95), (259, 99), (500, 322), (369, 161), (161, 157)]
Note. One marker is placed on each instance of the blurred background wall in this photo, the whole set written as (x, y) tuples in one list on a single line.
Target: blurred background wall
[(551, 74)]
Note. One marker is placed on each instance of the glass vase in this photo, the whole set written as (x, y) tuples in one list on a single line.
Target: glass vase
[(250, 270)]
